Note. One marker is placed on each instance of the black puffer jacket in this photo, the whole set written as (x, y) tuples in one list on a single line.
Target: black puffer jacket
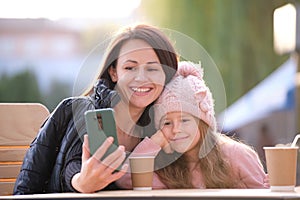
[(44, 162)]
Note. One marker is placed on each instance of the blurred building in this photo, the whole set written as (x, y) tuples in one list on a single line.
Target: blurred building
[(49, 49)]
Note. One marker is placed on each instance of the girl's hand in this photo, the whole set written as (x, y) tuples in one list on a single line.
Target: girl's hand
[(96, 174), (160, 139), (267, 181)]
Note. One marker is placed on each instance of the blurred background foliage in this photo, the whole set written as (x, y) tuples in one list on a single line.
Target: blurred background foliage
[(237, 34), (21, 87)]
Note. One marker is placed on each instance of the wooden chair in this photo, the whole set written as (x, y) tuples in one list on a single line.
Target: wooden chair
[(19, 124)]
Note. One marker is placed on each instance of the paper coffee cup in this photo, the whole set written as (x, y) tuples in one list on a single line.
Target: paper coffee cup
[(282, 167), (142, 172)]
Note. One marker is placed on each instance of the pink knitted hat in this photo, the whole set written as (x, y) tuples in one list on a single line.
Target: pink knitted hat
[(187, 92)]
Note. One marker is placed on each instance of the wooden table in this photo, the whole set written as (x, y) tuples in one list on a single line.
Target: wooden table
[(209, 194)]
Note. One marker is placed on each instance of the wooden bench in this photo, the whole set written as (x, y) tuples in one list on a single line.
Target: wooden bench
[(19, 124)]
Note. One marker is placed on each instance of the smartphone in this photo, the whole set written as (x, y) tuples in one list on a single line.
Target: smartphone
[(100, 124)]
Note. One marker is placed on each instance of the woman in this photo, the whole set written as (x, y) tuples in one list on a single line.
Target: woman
[(138, 63)]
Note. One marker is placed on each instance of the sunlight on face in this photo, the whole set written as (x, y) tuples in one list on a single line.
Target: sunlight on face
[(57, 9)]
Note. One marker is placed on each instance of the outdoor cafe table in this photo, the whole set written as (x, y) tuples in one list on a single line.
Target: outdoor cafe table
[(176, 194)]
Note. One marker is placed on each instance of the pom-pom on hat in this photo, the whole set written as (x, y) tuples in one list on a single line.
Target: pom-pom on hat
[(186, 92)]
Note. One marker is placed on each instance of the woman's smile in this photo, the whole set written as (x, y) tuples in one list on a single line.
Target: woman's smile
[(141, 90)]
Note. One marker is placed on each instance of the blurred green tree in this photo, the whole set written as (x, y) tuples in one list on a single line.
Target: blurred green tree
[(21, 87)]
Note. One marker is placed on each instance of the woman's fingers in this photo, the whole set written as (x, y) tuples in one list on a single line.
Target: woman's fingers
[(112, 161), (117, 175), (103, 148), (85, 149), (115, 159)]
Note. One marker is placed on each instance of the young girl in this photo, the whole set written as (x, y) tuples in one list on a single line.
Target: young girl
[(184, 113)]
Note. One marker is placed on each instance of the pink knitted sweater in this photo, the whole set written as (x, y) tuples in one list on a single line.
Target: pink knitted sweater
[(244, 160)]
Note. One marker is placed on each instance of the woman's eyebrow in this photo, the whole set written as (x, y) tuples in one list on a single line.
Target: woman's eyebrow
[(153, 62), (132, 61)]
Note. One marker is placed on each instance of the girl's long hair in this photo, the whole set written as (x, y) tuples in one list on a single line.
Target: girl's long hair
[(214, 167)]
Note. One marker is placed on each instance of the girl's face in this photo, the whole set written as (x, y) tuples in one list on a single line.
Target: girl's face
[(182, 132), (139, 75)]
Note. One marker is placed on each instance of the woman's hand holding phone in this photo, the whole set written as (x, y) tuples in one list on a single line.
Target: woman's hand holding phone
[(96, 173)]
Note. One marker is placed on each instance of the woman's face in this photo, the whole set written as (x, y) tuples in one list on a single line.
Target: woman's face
[(182, 132), (139, 75)]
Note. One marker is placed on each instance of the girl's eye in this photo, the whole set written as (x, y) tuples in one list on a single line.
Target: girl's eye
[(151, 70), (185, 120)]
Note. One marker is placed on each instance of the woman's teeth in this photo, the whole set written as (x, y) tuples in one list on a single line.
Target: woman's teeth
[(141, 89)]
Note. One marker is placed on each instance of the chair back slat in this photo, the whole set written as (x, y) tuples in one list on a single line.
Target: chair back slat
[(19, 122)]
